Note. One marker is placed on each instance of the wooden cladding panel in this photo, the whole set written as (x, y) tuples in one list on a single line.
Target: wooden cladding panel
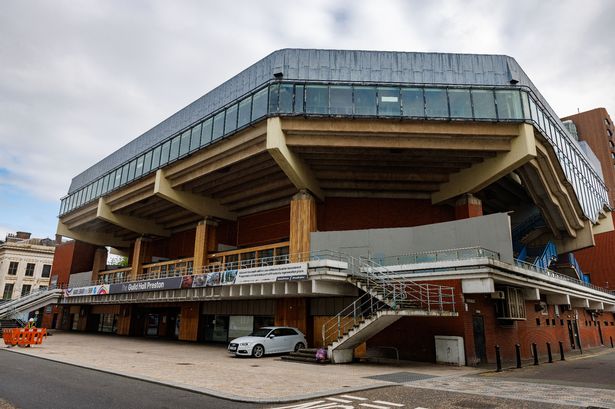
[(292, 312), (302, 222), (123, 320), (189, 322), (270, 226)]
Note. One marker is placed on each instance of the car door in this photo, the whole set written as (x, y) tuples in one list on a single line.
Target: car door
[(276, 344), (290, 339)]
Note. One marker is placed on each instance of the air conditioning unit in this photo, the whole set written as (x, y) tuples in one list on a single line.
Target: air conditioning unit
[(497, 295)]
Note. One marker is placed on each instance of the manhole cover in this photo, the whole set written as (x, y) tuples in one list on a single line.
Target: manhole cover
[(184, 363), (400, 377)]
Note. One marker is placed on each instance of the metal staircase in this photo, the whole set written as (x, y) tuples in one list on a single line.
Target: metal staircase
[(30, 302), (386, 298)]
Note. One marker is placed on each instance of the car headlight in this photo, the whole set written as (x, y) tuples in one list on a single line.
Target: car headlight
[(244, 344)]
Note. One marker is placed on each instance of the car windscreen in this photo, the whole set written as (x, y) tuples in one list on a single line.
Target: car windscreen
[(261, 332)]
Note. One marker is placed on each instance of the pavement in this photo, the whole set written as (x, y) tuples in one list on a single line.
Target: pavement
[(581, 381)]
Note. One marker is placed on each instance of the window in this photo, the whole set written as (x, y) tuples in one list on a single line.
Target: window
[(509, 105), (46, 270), (156, 157), (42, 288), (461, 107), (13, 268), (25, 289), (174, 150), (124, 174), (436, 105), (389, 102), (340, 100), (245, 106), (259, 104), (299, 91), (484, 104), (365, 101), (164, 153), (195, 138), (132, 167), (206, 133), (286, 98), (412, 102), (230, 123), (147, 162), (184, 145), (609, 133), (218, 126), (8, 291), (139, 169), (30, 269), (316, 99)]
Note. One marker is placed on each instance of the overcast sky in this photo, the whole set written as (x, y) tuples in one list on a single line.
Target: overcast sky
[(79, 79)]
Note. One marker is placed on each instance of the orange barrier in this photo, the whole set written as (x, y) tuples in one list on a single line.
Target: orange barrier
[(23, 336)]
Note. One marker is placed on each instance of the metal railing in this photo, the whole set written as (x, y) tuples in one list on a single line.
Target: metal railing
[(8, 308), (462, 253), (384, 291)]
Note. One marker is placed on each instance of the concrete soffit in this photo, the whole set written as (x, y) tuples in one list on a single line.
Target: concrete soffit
[(201, 205), (135, 224), (96, 238), (473, 179), (293, 166)]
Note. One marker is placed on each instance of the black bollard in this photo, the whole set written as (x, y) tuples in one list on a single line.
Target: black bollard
[(535, 352), (518, 353), (549, 352), (561, 351), (498, 359), (611, 342)]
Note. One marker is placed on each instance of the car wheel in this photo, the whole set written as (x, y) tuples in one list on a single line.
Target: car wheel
[(258, 351), (299, 346)]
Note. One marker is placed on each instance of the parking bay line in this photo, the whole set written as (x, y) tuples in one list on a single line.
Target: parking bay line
[(369, 405), (353, 397), (383, 402), (339, 400)]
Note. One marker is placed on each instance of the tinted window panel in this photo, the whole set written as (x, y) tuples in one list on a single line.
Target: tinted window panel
[(364, 101), (156, 157), (206, 133), (484, 104), (461, 106), (218, 129), (389, 103), (316, 99), (412, 102), (164, 153), (124, 174), (509, 104), (147, 162), (139, 169), (174, 150), (195, 137), (245, 108), (340, 100), (184, 144), (436, 105), (286, 99), (299, 98), (118, 178), (259, 104), (230, 123), (274, 92)]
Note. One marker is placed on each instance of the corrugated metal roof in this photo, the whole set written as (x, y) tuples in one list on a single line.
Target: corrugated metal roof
[(325, 65)]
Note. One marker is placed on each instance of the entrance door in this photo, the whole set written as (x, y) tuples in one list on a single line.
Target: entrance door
[(478, 325), (151, 325), (54, 321)]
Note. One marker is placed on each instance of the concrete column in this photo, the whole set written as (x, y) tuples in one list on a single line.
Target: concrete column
[(302, 223), (468, 206), (140, 255), (205, 241)]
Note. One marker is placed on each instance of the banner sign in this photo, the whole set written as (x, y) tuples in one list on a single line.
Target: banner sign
[(102, 289), (283, 272), (161, 284)]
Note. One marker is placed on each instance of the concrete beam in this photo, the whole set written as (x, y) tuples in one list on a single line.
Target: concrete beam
[(579, 302), (596, 305), (473, 179), (478, 286), (201, 205), (558, 299), (531, 294), (584, 238), (96, 238), (604, 225), (293, 166), (135, 224)]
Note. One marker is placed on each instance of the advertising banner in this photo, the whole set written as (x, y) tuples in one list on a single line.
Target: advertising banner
[(161, 284), (283, 272), (102, 289)]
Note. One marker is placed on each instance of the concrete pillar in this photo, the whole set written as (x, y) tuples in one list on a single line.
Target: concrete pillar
[(468, 206), (302, 223), (140, 255), (205, 242)]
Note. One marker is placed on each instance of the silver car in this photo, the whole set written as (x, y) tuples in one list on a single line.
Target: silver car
[(268, 340)]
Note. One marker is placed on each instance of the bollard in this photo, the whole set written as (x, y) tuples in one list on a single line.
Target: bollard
[(518, 353), (535, 352), (611, 342), (498, 359), (561, 351), (549, 352)]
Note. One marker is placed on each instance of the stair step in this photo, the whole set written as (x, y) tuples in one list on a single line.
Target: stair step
[(303, 354), (312, 360)]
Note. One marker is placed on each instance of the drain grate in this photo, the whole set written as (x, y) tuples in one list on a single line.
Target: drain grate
[(400, 377)]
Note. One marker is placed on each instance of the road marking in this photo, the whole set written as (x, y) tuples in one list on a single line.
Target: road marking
[(339, 400), (353, 397), (383, 402), (369, 405)]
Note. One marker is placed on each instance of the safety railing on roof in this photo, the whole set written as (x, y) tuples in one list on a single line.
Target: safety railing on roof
[(437, 255)]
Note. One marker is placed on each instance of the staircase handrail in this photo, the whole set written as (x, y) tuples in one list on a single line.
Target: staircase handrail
[(384, 290), (14, 305), (548, 254)]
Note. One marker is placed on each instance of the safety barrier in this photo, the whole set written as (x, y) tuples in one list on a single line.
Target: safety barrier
[(23, 336)]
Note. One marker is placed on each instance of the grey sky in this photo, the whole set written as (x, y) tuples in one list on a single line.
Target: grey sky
[(79, 79)]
